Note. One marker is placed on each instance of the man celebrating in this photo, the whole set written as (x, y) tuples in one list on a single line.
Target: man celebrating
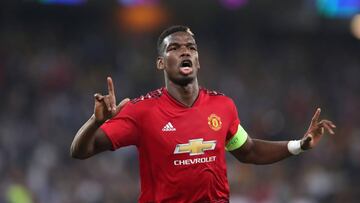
[(182, 131)]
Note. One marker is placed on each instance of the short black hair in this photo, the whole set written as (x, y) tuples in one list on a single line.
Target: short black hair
[(170, 30)]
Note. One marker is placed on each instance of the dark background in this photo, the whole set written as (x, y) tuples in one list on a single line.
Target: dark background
[(279, 61)]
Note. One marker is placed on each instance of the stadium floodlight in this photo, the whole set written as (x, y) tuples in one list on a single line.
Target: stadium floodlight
[(63, 2), (338, 8), (355, 26)]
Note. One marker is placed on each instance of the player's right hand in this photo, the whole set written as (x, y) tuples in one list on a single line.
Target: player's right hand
[(105, 105)]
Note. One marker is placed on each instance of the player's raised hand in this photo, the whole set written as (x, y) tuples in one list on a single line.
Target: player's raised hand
[(316, 131), (105, 105)]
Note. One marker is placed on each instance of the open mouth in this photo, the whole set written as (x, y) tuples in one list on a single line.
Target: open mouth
[(186, 63), (186, 67)]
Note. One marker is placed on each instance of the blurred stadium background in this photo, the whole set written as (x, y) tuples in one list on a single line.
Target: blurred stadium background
[(278, 60)]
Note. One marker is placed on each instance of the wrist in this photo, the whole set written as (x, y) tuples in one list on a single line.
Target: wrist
[(294, 147), (96, 122)]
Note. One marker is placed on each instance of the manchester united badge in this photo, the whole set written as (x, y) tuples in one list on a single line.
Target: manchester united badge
[(214, 122)]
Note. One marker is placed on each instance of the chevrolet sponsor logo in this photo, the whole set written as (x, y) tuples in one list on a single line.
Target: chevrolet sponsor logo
[(195, 147), (194, 161)]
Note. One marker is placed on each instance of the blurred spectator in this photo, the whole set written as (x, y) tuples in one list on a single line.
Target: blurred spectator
[(49, 71)]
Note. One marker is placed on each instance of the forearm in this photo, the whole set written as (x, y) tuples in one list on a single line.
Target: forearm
[(263, 152), (267, 152), (84, 141)]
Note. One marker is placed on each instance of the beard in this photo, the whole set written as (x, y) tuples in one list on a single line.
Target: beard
[(182, 81)]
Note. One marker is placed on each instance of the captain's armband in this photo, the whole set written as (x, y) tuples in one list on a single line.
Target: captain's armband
[(237, 140)]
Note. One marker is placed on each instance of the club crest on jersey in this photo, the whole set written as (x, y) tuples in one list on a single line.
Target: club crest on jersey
[(214, 122), (195, 147)]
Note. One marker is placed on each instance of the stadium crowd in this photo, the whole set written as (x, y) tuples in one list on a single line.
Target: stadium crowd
[(48, 77)]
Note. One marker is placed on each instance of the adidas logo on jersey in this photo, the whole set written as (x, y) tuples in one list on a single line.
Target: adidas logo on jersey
[(168, 127)]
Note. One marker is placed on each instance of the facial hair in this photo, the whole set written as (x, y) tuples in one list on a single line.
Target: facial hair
[(182, 81)]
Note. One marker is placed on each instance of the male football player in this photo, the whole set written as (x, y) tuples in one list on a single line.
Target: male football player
[(182, 131)]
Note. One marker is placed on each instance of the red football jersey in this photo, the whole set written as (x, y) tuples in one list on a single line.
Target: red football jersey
[(181, 149)]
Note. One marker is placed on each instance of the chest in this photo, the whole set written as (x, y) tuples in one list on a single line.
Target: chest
[(192, 131)]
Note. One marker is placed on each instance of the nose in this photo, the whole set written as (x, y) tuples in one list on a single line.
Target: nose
[(185, 51)]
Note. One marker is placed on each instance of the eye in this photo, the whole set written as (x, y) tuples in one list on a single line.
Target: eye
[(192, 47), (172, 48)]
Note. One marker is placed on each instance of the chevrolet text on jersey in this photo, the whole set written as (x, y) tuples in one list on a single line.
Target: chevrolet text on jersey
[(194, 161)]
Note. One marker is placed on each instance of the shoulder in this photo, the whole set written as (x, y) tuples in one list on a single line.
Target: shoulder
[(211, 92), (217, 96), (219, 100), (147, 99), (139, 105)]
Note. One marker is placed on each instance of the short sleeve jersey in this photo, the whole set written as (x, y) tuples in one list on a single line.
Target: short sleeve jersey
[(181, 149)]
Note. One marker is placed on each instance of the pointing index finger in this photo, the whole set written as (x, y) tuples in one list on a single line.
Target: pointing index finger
[(316, 116), (110, 86)]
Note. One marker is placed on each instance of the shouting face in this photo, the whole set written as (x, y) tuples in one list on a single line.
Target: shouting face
[(179, 58)]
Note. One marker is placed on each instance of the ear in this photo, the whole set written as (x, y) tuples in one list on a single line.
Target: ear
[(160, 63)]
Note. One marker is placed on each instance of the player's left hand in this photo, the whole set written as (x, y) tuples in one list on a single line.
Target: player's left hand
[(316, 131)]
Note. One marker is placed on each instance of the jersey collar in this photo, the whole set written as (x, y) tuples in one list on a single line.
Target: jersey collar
[(181, 105)]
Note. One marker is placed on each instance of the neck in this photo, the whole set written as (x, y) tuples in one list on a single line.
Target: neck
[(184, 94)]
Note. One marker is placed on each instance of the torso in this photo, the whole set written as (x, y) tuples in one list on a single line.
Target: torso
[(182, 149)]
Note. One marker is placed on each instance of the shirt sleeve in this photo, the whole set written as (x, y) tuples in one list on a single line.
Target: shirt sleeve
[(234, 122), (122, 129)]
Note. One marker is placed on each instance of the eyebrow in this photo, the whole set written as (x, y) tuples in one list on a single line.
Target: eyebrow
[(177, 44)]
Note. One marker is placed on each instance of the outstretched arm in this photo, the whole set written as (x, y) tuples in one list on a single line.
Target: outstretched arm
[(90, 139), (266, 152), (261, 152)]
